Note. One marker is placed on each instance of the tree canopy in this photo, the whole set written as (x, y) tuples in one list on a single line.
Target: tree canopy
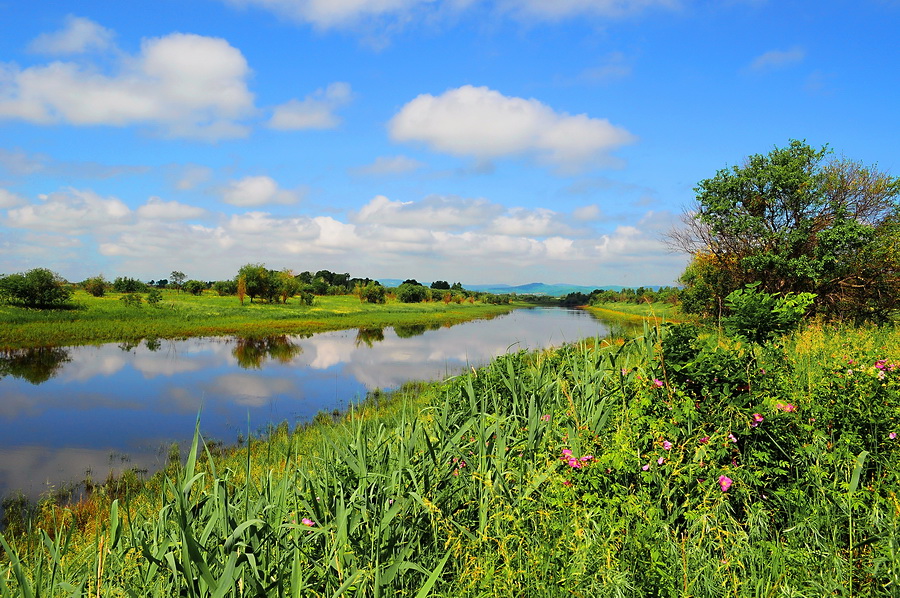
[(36, 288), (796, 222)]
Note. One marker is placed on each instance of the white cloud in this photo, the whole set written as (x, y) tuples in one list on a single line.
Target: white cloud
[(484, 124), (334, 13), (184, 85), (345, 13), (316, 111), (20, 163), (588, 213), (388, 165), (73, 211), (776, 59), (79, 35), (434, 212), (8, 199), (539, 222), (253, 191), (158, 209)]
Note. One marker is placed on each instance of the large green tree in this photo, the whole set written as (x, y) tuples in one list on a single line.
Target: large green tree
[(795, 221)]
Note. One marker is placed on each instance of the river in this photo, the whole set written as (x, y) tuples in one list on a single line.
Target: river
[(70, 412)]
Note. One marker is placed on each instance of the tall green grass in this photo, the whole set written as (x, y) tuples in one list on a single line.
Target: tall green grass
[(591, 470)]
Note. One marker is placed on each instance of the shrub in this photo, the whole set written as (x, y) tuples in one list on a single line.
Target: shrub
[(131, 300), (373, 293), (411, 293), (128, 285), (95, 286), (154, 296), (36, 288), (194, 287), (758, 316)]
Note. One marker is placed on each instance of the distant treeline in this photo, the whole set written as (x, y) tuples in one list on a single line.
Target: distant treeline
[(627, 295), (43, 288)]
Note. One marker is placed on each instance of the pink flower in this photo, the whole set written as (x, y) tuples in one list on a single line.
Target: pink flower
[(661, 460), (646, 467), (587, 458), (545, 418), (757, 419), (667, 445), (892, 435), (659, 383), (786, 407), (574, 463), (725, 482), (567, 482), (704, 440), (732, 438), (307, 521)]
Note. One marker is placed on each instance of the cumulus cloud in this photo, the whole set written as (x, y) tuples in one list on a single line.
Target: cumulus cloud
[(8, 199), (316, 111), (257, 191), (776, 59), (73, 211), (79, 35), (482, 123), (434, 212), (159, 209), (539, 222), (388, 165), (183, 85)]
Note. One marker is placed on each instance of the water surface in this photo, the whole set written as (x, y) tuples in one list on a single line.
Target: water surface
[(67, 411)]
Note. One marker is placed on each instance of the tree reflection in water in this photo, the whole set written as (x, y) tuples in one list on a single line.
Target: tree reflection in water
[(252, 352), (37, 365), (369, 336)]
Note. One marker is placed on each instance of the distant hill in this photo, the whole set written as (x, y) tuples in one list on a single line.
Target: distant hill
[(533, 288)]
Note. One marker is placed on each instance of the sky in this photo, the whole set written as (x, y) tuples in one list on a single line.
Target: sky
[(481, 141)]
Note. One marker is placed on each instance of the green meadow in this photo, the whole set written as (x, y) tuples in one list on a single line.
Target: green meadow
[(91, 320), (681, 462)]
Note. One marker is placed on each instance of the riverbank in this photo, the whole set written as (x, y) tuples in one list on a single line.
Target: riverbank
[(686, 464), (94, 320)]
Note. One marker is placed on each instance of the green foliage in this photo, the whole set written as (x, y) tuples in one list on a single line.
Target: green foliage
[(411, 293), (131, 300), (678, 464), (225, 287), (124, 284), (95, 285), (373, 293), (39, 288), (758, 316), (194, 287), (440, 285), (796, 223), (154, 296)]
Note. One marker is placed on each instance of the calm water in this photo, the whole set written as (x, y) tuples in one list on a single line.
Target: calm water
[(111, 407)]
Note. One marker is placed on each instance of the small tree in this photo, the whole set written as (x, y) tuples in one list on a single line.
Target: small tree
[(373, 293), (194, 287), (241, 288), (177, 278), (95, 285)]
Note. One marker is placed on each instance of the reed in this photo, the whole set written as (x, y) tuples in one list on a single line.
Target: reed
[(672, 464)]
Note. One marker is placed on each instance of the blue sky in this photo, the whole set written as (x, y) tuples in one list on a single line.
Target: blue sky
[(484, 141)]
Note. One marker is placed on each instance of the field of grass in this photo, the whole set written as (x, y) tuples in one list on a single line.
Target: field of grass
[(656, 313), (179, 315), (680, 463)]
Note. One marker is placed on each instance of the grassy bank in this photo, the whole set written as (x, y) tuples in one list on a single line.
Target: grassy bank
[(686, 464), (179, 315)]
